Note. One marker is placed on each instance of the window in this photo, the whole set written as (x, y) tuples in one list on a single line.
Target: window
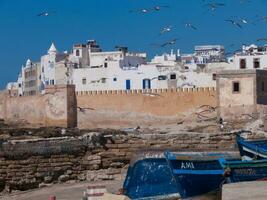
[(114, 79), (243, 64), (236, 87), (105, 65), (262, 86), (52, 82), (146, 84), (84, 81), (256, 63), (162, 78), (103, 80), (77, 52), (214, 77), (19, 85), (173, 76)]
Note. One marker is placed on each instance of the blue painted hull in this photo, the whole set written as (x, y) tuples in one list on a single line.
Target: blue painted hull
[(243, 171), (255, 149), (150, 178), (197, 174)]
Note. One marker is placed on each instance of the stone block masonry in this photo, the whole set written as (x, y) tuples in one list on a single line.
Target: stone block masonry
[(26, 164)]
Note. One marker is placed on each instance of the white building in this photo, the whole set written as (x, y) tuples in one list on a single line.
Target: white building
[(54, 70), (251, 57), (91, 69), (209, 54)]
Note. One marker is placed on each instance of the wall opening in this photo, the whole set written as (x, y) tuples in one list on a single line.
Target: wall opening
[(256, 63), (173, 76), (243, 64), (84, 81), (77, 52), (236, 87)]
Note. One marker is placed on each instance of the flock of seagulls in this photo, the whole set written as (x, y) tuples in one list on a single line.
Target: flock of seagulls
[(209, 5)]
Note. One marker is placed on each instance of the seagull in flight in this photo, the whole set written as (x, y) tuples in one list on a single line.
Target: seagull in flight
[(158, 8), (45, 14), (143, 10), (262, 39), (189, 25), (165, 30), (213, 6), (233, 22), (170, 42)]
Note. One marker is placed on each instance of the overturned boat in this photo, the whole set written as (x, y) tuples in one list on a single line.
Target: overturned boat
[(149, 177), (175, 175)]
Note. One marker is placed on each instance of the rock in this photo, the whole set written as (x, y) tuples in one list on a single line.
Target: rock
[(91, 176), (81, 177), (113, 171), (117, 164), (42, 185), (93, 157), (69, 172), (48, 179), (63, 178), (105, 177)]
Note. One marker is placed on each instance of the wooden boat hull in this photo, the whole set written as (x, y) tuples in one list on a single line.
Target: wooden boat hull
[(197, 173), (150, 178), (254, 149), (244, 171)]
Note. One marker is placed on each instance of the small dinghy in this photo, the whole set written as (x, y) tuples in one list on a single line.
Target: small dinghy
[(198, 173), (149, 178), (252, 149), (244, 171)]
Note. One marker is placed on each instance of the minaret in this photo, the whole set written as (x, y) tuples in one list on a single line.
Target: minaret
[(52, 49), (28, 63)]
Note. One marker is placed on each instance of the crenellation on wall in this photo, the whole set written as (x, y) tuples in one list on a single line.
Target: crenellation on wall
[(155, 91)]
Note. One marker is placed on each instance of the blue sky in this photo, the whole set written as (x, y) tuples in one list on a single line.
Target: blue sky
[(24, 35)]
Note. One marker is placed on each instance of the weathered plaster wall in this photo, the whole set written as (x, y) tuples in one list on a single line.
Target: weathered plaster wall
[(251, 100), (137, 107), (52, 109), (233, 105)]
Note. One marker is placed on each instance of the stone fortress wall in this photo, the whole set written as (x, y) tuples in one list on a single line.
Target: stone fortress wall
[(62, 106), (26, 164), (140, 107)]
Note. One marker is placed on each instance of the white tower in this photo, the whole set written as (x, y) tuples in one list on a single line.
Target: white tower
[(52, 50)]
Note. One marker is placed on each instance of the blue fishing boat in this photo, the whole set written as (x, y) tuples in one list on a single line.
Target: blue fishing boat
[(247, 170), (252, 149), (149, 178), (198, 173)]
